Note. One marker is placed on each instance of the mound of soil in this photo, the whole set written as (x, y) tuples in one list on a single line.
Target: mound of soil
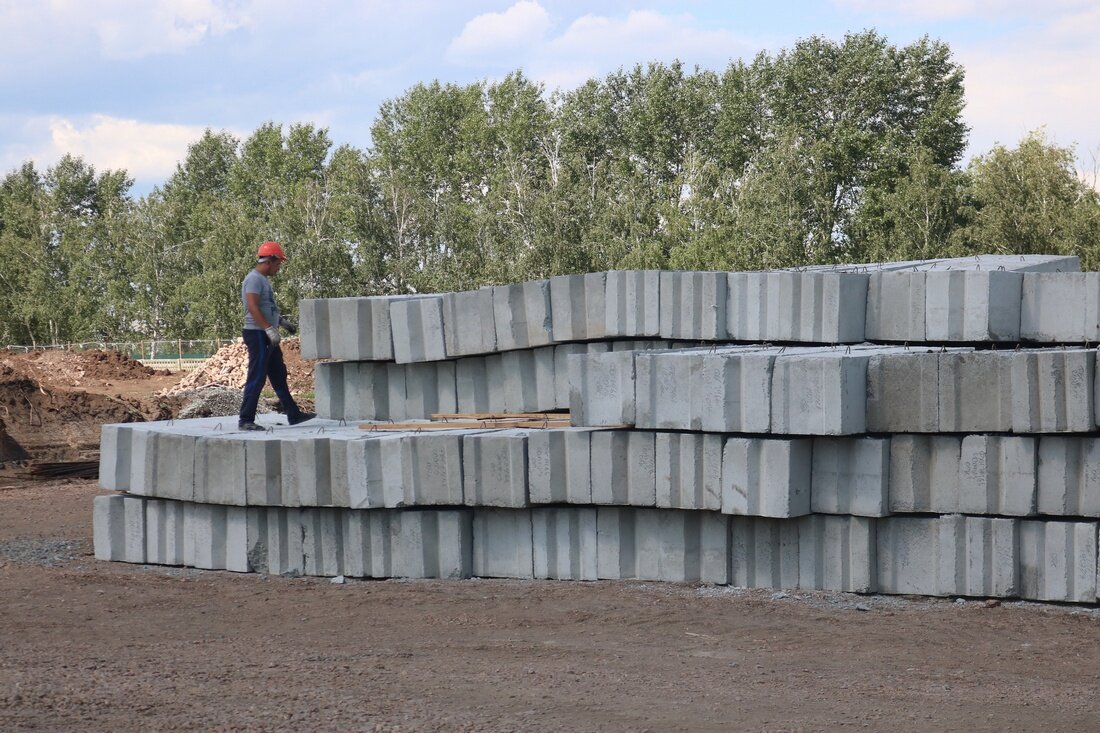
[(229, 368), (79, 368)]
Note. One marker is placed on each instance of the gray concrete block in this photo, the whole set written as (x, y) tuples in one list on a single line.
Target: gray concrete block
[(633, 303), (143, 461), (747, 306), (615, 543), (903, 392), (468, 325), (766, 477), (502, 544), (1053, 391), (564, 543), (663, 544), (579, 305), (764, 552), (494, 467), (1069, 476), (366, 469), (263, 472), (662, 391), (204, 536), (163, 532), (689, 471), (948, 555), (522, 315), (109, 527), (997, 475), (366, 551), (328, 385), (850, 476), (472, 384), (973, 306), (220, 472), (837, 553), (601, 389), (895, 307), (562, 355), (313, 325), (432, 467), (417, 328), (624, 468), (731, 391), (433, 544), (821, 393), (559, 465), (816, 307), (306, 472), (360, 329), (976, 391), (114, 457), (693, 305), (429, 388), (281, 551), (177, 461), (322, 541), (1058, 561), (924, 473), (1060, 307), (528, 384), (360, 390)]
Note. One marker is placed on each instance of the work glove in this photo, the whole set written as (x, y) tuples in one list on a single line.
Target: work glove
[(288, 324), (273, 335)]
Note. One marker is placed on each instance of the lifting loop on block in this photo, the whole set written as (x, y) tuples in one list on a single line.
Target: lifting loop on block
[(342, 423), (320, 430), (216, 427), (848, 350), (906, 346)]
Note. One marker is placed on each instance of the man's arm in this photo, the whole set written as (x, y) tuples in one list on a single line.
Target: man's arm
[(254, 310)]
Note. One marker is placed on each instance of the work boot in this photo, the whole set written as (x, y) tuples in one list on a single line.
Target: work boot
[(301, 417), (250, 426)]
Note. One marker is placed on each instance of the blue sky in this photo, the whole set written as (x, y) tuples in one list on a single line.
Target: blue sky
[(130, 83)]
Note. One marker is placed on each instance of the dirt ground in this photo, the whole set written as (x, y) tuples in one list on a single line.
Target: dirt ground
[(86, 645)]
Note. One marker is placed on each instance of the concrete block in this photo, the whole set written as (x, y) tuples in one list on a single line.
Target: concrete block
[(313, 325), (895, 306), (601, 389), (615, 543), (564, 543), (468, 325), (689, 471), (328, 384), (766, 477), (472, 384), (693, 305), (528, 384), (924, 473), (220, 472), (366, 469), (306, 472), (763, 552), (204, 536), (624, 468), (1053, 391), (1060, 307), (114, 457), (562, 354), (662, 544), (429, 388), (822, 393), (282, 551), (1058, 561), (177, 460), (997, 475), (903, 392), (360, 390), (579, 306), (522, 315), (747, 316), (322, 541), (163, 532), (633, 304), (813, 307), (559, 466), (263, 472), (973, 306), (495, 468), (366, 550), (434, 544), (502, 544), (1069, 476), (109, 527), (237, 540), (662, 391), (360, 329), (850, 476), (143, 461), (976, 391), (417, 327), (837, 553), (948, 555), (731, 391), (432, 467)]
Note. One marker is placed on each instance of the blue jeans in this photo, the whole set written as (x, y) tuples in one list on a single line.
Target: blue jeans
[(265, 362)]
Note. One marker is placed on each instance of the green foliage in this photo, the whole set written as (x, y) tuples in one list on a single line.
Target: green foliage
[(830, 151)]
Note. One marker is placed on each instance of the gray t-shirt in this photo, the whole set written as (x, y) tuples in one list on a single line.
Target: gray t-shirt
[(257, 282)]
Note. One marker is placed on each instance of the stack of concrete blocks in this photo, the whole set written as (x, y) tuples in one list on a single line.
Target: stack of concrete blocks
[(917, 428)]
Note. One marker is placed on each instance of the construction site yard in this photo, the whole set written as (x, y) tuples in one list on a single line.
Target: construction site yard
[(91, 645)]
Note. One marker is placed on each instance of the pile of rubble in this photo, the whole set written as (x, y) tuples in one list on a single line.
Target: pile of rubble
[(228, 367)]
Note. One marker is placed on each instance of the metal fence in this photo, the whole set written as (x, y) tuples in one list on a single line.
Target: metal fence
[(179, 354)]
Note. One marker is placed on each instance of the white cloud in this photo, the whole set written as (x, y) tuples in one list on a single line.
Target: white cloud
[(146, 150), (491, 34), (958, 9)]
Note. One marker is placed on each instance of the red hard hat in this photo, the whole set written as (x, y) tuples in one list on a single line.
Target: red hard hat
[(271, 249)]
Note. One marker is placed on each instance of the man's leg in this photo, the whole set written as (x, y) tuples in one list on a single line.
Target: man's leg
[(258, 348), (276, 373)]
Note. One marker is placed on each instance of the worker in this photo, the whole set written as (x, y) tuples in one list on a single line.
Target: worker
[(262, 321)]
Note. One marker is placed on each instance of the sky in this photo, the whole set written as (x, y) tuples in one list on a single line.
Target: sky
[(131, 83)]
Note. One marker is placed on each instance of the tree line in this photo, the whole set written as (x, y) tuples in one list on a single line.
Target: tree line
[(831, 151)]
